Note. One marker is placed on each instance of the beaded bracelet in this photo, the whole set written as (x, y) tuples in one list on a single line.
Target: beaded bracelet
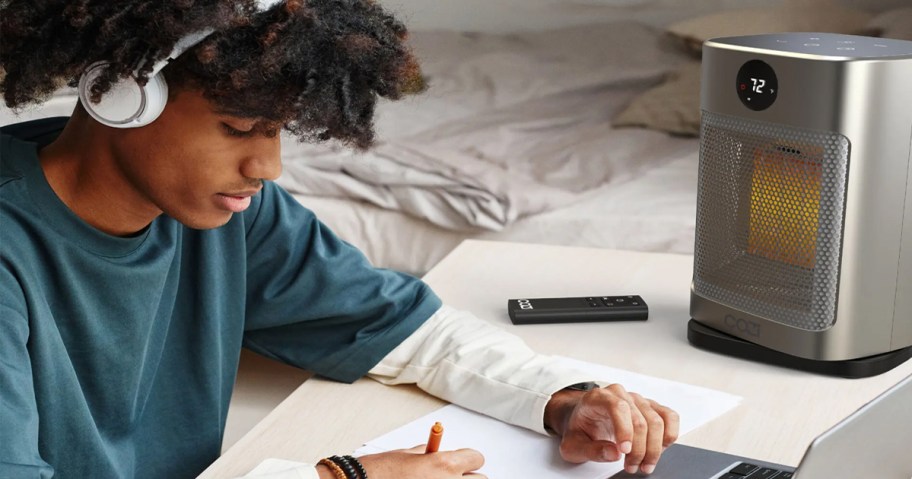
[(346, 466), (336, 470), (358, 466)]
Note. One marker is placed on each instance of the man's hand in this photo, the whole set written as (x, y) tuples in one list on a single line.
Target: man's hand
[(414, 464), (605, 423)]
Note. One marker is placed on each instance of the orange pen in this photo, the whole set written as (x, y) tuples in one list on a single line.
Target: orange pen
[(433, 443)]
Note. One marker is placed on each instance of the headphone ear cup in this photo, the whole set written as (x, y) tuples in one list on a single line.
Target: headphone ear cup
[(126, 104)]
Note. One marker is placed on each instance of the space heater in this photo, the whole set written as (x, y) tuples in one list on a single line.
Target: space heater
[(803, 250)]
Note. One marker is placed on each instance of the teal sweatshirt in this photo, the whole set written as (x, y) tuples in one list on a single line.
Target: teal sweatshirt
[(118, 355)]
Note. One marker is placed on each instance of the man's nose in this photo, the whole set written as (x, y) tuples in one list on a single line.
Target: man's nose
[(264, 162)]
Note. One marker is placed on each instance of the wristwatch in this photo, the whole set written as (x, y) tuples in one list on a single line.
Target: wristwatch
[(586, 386)]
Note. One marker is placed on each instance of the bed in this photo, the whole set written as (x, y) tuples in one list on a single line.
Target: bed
[(513, 141)]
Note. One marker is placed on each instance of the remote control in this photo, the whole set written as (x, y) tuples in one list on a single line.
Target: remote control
[(577, 310)]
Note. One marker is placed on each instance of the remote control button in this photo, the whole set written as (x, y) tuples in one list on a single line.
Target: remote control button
[(620, 300), (635, 303)]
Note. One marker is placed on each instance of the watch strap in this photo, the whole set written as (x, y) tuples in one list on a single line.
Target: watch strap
[(585, 386)]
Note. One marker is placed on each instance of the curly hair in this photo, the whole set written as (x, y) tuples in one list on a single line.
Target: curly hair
[(315, 67)]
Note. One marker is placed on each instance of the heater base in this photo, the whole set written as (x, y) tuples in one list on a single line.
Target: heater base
[(710, 339)]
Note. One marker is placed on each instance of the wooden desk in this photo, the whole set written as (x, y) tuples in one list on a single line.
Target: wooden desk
[(782, 411)]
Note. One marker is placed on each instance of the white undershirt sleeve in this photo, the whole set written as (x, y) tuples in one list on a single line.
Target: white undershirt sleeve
[(467, 361)]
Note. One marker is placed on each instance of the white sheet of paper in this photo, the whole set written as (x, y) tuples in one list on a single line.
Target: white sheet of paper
[(511, 451)]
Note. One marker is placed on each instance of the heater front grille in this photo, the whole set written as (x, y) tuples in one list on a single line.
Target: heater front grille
[(770, 209)]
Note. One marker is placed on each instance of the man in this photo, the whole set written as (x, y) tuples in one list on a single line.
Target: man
[(137, 261)]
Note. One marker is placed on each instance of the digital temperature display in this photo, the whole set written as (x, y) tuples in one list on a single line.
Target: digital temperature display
[(757, 85)]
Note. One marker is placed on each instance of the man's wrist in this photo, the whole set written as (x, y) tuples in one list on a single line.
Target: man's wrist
[(559, 408), (324, 473)]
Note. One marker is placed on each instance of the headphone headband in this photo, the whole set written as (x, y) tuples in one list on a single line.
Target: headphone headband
[(129, 104)]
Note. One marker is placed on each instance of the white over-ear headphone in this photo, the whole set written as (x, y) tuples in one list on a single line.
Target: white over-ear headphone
[(130, 105)]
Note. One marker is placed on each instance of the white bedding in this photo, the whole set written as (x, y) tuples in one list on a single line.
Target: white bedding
[(513, 125), (512, 142)]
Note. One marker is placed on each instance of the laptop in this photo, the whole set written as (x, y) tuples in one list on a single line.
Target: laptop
[(874, 442)]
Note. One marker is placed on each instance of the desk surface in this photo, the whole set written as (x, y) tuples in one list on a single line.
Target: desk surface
[(782, 410)]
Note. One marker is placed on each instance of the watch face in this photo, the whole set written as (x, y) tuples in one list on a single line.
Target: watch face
[(757, 85)]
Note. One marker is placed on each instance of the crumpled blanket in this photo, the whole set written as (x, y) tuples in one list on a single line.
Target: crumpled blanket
[(512, 125)]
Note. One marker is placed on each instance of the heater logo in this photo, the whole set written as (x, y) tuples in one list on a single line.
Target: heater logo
[(751, 328)]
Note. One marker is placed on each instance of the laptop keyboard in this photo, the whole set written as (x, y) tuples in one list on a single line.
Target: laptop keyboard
[(745, 470)]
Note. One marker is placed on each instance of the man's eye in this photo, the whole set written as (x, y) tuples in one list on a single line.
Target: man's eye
[(234, 131)]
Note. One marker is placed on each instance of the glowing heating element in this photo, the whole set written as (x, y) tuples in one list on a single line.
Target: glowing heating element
[(770, 212), (785, 203)]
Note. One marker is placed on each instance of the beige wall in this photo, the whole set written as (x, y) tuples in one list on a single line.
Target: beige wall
[(513, 15)]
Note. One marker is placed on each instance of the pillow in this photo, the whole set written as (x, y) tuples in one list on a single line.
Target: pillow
[(794, 18), (894, 24), (673, 106)]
